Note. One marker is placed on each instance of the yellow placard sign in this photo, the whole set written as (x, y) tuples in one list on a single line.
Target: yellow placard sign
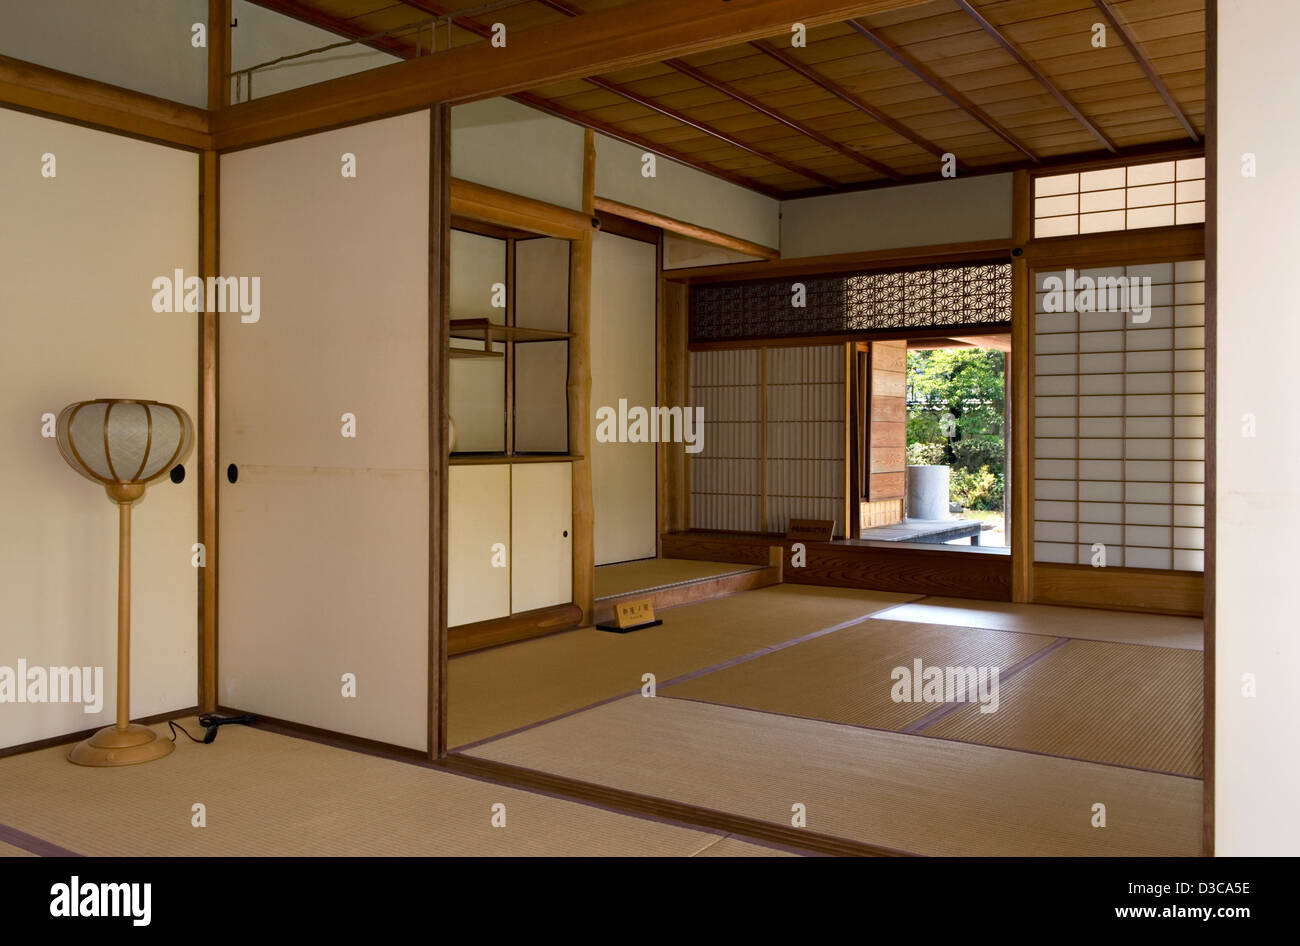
[(633, 613)]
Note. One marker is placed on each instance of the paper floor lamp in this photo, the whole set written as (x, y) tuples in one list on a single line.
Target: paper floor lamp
[(123, 445)]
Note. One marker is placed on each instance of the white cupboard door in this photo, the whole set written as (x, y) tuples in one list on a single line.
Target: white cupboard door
[(478, 544), (541, 535)]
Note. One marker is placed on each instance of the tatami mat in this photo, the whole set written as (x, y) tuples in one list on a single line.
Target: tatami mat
[(1161, 630), (268, 794), (847, 677), (1123, 704), (651, 573), (908, 793), (734, 847), (8, 850), (499, 690)]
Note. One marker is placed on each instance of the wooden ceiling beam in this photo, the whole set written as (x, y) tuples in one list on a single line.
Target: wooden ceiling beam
[(606, 41), (480, 29), (539, 102), (686, 69), (689, 230), (936, 82), (313, 17), (1144, 64), (730, 91), (1037, 73), (701, 126), (500, 208), (578, 118), (33, 88), (840, 92)]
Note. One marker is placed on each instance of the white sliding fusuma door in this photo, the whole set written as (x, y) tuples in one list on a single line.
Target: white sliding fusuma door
[(324, 411)]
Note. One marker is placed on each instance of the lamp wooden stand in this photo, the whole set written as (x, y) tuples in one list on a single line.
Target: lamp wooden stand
[(123, 445), (125, 743)]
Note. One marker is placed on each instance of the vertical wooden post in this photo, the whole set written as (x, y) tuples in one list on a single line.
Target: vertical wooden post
[(762, 438), (579, 390), (1208, 673), (509, 348), (852, 446), (209, 339), (671, 390), (218, 54), (1020, 479), (439, 301), (209, 343)]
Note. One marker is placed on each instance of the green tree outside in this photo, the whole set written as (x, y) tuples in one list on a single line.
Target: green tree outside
[(955, 417)]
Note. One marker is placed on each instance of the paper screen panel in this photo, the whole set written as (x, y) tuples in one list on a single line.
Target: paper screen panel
[(805, 435), (725, 474), (1119, 427)]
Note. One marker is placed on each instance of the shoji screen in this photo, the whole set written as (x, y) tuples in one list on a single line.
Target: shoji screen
[(725, 475), (1119, 408), (805, 435)]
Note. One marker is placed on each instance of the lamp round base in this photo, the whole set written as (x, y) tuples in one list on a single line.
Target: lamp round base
[(113, 746)]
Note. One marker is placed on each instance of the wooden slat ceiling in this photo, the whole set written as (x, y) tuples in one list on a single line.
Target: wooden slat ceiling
[(872, 101)]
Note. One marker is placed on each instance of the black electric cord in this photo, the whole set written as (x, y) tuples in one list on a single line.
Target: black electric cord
[(175, 726), (210, 725)]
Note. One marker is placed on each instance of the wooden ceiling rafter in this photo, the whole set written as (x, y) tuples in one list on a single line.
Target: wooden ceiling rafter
[(1066, 102), (702, 77), (1131, 43), (998, 84), (646, 101), (551, 107), (345, 29), (656, 106), (834, 88), (312, 17), (740, 96), (936, 82)]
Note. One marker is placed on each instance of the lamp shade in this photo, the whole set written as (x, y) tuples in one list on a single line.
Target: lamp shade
[(119, 440)]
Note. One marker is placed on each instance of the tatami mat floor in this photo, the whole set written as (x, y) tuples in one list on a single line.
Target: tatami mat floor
[(847, 676), (1159, 630), (1122, 704), (1093, 706), (767, 700), (269, 794), (496, 691), (891, 790), (1119, 704)]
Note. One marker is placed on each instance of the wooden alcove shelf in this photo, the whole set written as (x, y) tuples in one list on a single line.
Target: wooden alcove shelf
[(489, 332), (488, 459)]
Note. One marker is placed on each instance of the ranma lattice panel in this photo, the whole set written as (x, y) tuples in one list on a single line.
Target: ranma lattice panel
[(933, 297)]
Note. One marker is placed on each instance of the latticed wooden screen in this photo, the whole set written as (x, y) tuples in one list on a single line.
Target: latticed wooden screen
[(933, 297), (774, 441)]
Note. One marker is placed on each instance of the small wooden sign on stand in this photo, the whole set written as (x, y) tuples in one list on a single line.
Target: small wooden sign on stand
[(631, 616), (810, 530)]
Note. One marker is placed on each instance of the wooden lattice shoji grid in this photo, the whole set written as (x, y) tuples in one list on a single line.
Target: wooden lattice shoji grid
[(792, 399), (1119, 435), (805, 435), (725, 475)]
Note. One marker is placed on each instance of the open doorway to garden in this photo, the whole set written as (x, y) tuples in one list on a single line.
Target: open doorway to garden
[(934, 434)]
